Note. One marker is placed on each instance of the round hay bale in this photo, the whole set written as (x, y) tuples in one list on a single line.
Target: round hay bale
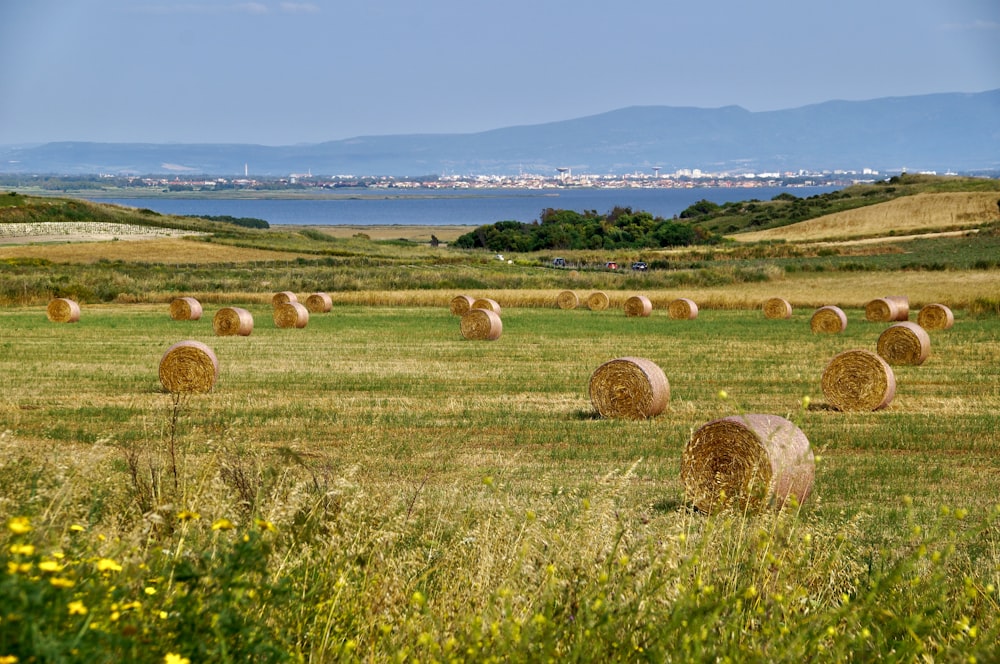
[(481, 325), (461, 304), (902, 306), (290, 314), (750, 461), (185, 308), (284, 297), (828, 320), (488, 304), (682, 309), (629, 387), (188, 366), (904, 343), (935, 317), (881, 310), (598, 301), (567, 300), (777, 308), (319, 303), (638, 306), (63, 310), (858, 380), (232, 321)]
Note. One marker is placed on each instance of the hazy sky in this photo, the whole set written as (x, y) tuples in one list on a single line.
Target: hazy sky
[(277, 73)]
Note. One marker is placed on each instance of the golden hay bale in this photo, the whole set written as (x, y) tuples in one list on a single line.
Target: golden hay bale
[(188, 366), (598, 301), (232, 321), (887, 309), (629, 387), (638, 306), (461, 304), (319, 303), (828, 320), (284, 297), (935, 317), (904, 343), (63, 310), (290, 314), (750, 461), (682, 309), (486, 303), (185, 308), (777, 308), (902, 306), (858, 380), (481, 325), (567, 300)]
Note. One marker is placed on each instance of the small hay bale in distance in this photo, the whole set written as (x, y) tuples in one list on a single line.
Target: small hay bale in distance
[(232, 321), (598, 301), (828, 320), (284, 297), (638, 306), (481, 325), (629, 387), (319, 303), (904, 343), (290, 314), (857, 381), (935, 317), (777, 308), (63, 310), (682, 309), (486, 303), (188, 366), (185, 308), (461, 305), (751, 461), (888, 309), (567, 300)]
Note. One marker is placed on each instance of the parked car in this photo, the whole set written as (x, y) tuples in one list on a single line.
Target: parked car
[(559, 262), (611, 265), (639, 265)]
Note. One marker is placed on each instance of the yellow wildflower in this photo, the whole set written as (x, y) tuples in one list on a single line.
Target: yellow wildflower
[(149, 590), (173, 658), (8, 659), (265, 525), (223, 524), (108, 565), (187, 515), (77, 608), (22, 549), (77, 528), (19, 525), (61, 582), (50, 566)]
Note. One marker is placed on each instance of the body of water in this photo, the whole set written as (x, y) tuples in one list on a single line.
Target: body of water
[(453, 207)]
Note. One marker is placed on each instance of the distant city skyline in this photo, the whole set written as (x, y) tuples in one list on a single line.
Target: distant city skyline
[(287, 73)]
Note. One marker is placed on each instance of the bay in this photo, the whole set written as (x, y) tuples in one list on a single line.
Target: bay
[(454, 207)]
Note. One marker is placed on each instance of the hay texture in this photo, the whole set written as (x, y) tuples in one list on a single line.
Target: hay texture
[(188, 366), (185, 308), (935, 317), (63, 310), (290, 314), (858, 380), (284, 297), (682, 309), (598, 301), (567, 300), (638, 306), (481, 325), (232, 321), (888, 309), (904, 343), (629, 387), (747, 461), (828, 320), (319, 303), (461, 305), (777, 308), (488, 304)]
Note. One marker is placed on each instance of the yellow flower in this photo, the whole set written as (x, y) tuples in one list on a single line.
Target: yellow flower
[(50, 566), (19, 525), (22, 549), (149, 590), (186, 515), (14, 568), (60, 582), (723, 395), (265, 525), (8, 659), (173, 658), (108, 565), (77, 528), (77, 608), (223, 524)]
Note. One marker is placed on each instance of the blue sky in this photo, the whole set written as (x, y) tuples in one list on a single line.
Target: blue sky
[(281, 73)]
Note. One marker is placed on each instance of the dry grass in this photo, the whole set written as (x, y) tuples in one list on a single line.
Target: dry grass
[(169, 251), (419, 234)]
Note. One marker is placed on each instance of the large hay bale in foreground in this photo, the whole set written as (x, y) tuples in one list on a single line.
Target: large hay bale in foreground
[(481, 325), (638, 306), (935, 317), (567, 300), (284, 297), (63, 310), (488, 304), (682, 309), (828, 320), (290, 314), (232, 321), (904, 343), (858, 380), (629, 387), (461, 305), (598, 301), (887, 309), (747, 461), (319, 303), (185, 308), (188, 366), (777, 308)]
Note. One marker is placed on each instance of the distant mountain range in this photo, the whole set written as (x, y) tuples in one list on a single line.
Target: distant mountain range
[(952, 131)]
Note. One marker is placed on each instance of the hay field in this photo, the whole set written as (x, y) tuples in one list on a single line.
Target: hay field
[(169, 251)]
